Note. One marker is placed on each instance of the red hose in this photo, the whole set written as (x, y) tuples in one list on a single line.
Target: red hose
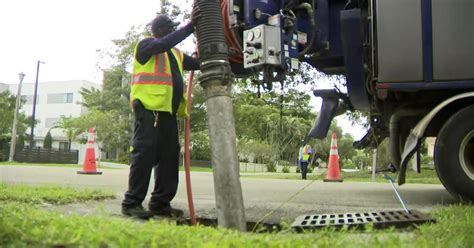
[(229, 35), (237, 57), (187, 155)]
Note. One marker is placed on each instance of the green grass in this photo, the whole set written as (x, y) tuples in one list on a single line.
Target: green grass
[(427, 176), (24, 224), (50, 194), (197, 169)]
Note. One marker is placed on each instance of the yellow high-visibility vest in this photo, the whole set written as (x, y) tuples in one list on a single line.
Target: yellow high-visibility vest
[(304, 155), (152, 83)]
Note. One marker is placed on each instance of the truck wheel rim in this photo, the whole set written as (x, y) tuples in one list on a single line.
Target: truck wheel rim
[(466, 155)]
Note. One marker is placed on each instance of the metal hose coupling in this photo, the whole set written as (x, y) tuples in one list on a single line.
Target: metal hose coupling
[(213, 50)]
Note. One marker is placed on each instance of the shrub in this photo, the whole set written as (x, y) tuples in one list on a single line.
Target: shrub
[(256, 151), (271, 167), (348, 164), (286, 166), (200, 146), (124, 158), (427, 161), (48, 141)]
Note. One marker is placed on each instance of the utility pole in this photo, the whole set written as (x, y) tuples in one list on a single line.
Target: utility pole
[(34, 105), (216, 79), (374, 164), (15, 119)]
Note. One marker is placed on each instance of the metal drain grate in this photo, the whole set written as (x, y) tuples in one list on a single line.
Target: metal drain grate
[(378, 219)]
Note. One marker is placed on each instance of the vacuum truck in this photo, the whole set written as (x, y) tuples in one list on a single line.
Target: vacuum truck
[(409, 64)]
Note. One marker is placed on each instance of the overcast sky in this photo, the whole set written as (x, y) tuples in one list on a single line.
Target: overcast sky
[(66, 34)]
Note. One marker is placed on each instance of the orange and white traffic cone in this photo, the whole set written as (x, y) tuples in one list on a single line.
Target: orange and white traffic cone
[(89, 167), (333, 164)]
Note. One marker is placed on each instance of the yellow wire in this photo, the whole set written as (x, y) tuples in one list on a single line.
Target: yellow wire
[(283, 203)]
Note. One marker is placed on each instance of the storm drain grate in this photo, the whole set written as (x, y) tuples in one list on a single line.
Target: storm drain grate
[(381, 219)]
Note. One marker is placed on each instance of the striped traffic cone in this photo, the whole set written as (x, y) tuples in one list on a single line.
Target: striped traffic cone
[(333, 164), (89, 160)]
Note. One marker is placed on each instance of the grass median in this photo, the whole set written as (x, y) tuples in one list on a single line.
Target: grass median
[(50, 194), (24, 224), (427, 176)]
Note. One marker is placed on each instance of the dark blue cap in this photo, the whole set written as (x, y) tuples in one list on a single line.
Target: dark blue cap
[(162, 20)]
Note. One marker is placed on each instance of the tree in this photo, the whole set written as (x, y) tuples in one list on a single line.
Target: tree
[(321, 148), (383, 160), (7, 109), (199, 146), (256, 151), (362, 159), (198, 108), (280, 118), (48, 141), (108, 127), (345, 149), (67, 125)]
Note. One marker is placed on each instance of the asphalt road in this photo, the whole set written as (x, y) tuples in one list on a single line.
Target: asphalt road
[(261, 196)]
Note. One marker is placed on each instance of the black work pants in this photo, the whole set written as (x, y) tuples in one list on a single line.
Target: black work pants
[(304, 169), (153, 147)]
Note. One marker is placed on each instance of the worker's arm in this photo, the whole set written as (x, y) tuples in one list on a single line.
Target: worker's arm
[(151, 46), (190, 63)]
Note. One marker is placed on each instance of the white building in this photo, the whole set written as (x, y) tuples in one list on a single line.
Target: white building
[(3, 87), (54, 100), (430, 142)]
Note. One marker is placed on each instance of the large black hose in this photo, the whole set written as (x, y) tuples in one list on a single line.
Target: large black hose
[(213, 49), (210, 33), (216, 77)]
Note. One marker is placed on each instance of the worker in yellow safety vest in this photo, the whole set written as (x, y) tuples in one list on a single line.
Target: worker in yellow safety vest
[(304, 155), (157, 98)]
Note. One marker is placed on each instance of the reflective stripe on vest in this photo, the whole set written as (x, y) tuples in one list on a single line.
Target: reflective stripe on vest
[(152, 83)]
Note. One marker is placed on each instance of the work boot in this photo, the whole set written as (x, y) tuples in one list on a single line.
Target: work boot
[(166, 211), (136, 211)]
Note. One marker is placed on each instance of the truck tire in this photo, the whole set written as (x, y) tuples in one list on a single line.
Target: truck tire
[(454, 154)]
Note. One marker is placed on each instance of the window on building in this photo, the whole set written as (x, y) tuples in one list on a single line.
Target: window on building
[(29, 99), (63, 145), (50, 122), (33, 145), (60, 98)]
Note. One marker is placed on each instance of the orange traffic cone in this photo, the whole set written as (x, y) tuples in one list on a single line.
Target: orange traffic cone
[(333, 164), (89, 160)]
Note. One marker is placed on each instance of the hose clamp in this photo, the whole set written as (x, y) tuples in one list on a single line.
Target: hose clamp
[(217, 61), (213, 48)]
